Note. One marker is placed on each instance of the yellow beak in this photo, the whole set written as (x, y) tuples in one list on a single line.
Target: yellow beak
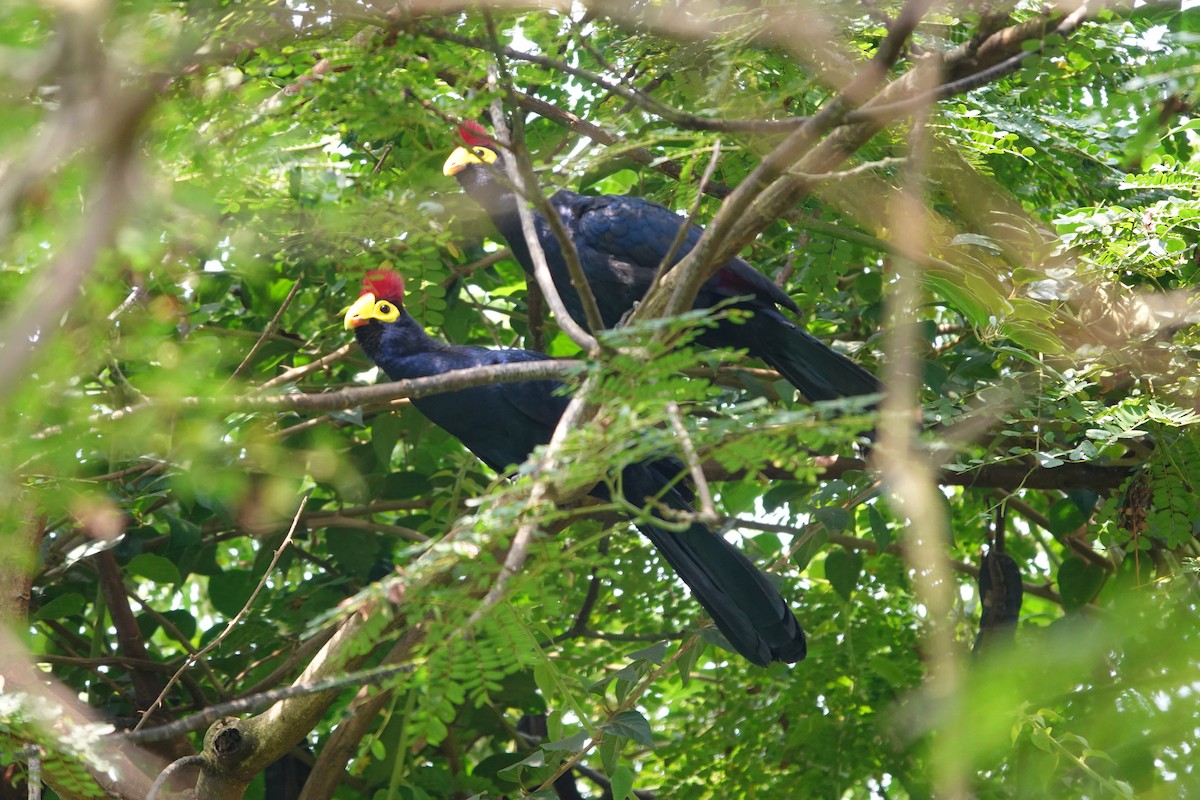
[(360, 313), (459, 160)]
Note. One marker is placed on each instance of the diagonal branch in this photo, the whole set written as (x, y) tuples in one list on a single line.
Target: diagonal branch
[(772, 190), (233, 623), (267, 332), (520, 172)]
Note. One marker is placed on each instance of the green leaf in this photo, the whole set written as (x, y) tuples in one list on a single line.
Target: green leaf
[(1079, 581), (880, 532), (655, 653), (229, 590), (622, 782), (385, 432), (496, 767), (843, 568), (976, 240), (835, 518), (535, 759), (571, 744), (809, 549), (962, 299), (356, 551), (378, 749), (1065, 517), (1041, 739), (65, 605), (631, 725), (183, 620), (687, 662), (610, 752), (185, 535), (154, 567)]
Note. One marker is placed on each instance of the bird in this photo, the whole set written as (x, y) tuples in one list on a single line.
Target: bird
[(621, 241), (502, 424)]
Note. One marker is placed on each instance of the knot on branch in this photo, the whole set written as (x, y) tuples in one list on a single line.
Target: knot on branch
[(226, 745)]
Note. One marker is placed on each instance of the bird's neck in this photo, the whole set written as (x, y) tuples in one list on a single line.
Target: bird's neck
[(499, 201), (394, 345)]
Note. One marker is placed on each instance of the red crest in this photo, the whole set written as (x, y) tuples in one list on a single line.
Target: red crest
[(385, 284), (473, 134)]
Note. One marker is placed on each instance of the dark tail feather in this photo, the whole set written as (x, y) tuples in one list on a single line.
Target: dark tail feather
[(746, 607), (813, 367)]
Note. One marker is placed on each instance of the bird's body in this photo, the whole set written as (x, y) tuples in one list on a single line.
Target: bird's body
[(503, 423), (622, 241)]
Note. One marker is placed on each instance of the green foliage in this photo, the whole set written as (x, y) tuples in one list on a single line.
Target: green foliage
[(293, 147), (70, 752)]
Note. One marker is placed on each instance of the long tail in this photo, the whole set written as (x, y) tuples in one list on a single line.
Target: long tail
[(813, 367), (746, 607)]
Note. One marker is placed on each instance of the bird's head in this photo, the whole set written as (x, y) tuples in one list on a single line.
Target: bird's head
[(382, 299), (477, 148)]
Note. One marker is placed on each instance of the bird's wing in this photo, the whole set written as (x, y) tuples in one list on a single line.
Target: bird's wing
[(638, 232), (540, 401)]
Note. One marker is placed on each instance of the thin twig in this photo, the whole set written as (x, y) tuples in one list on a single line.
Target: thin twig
[(676, 117), (374, 527), (708, 513), (580, 625), (520, 173), (685, 228), (456, 380), (382, 157), (246, 705), (135, 294), (173, 631), (296, 373), (482, 263), (233, 623), (171, 769), (518, 551), (267, 332)]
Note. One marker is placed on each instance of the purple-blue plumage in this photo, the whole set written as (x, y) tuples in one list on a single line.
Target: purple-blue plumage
[(622, 240), (503, 423)]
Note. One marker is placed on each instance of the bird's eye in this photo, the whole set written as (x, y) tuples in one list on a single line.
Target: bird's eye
[(480, 151), (384, 308)]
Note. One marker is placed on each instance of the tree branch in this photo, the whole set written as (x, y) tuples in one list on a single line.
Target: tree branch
[(520, 173), (233, 623)]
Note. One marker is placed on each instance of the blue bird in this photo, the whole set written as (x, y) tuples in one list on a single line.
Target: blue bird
[(503, 423), (622, 240)]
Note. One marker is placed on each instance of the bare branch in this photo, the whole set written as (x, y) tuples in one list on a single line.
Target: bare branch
[(247, 704), (908, 474), (296, 373), (175, 766), (968, 82), (676, 117), (518, 551), (550, 369)]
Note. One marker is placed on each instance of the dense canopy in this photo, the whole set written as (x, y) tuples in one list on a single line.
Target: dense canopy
[(217, 504)]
